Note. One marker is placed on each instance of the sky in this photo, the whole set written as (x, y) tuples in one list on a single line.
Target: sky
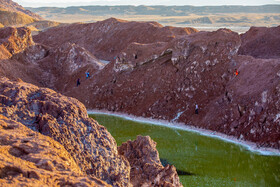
[(66, 3)]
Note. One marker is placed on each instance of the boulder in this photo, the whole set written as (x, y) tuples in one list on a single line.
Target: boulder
[(146, 168)]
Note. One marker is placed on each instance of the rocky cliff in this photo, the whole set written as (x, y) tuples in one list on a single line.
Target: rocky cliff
[(167, 79), (163, 72), (29, 158), (79, 145), (65, 120)]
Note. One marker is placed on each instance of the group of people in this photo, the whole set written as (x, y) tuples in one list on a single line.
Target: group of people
[(196, 105), (79, 81)]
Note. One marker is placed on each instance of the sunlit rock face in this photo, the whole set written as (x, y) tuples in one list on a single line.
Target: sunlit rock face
[(65, 120), (11, 6), (29, 158), (14, 40), (146, 168), (44, 133)]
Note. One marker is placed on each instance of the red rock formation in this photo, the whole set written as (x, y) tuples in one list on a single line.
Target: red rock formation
[(146, 168), (64, 64), (14, 7), (66, 121), (14, 40), (261, 42), (57, 68), (28, 158), (106, 39), (173, 71), (195, 69)]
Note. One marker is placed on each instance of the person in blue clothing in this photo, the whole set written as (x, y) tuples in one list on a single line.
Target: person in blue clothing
[(87, 75)]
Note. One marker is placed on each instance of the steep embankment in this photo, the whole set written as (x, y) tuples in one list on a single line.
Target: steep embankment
[(106, 39), (65, 120), (168, 78)]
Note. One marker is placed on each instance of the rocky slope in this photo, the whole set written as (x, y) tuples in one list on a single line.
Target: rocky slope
[(29, 158), (14, 7), (103, 38), (12, 14), (261, 42), (31, 62), (8, 18), (162, 72), (167, 82), (91, 150)]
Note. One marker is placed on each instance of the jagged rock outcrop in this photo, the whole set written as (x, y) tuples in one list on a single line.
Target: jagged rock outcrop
[(28, 158), (14, 40), (146, 168), (14, 7), (106, 39), (261, 42), (66, 121)]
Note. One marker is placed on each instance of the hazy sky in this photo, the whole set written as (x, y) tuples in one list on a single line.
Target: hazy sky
[(65, 3)]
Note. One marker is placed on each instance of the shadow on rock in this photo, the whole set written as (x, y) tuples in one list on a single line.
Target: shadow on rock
[(165, 162)]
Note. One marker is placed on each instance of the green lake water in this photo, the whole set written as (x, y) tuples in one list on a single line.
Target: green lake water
[(211, 161)]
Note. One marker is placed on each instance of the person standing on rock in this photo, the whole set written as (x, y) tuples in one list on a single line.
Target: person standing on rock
[(78, 82), (196, 109)]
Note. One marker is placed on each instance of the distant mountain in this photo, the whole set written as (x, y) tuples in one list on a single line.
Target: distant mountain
[(156, 10), (232, 17), (14, 7)]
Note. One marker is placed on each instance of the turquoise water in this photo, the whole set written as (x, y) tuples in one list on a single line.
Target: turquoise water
[(211, 161)]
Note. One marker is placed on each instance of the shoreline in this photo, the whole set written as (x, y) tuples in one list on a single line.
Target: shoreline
[(250, 146)]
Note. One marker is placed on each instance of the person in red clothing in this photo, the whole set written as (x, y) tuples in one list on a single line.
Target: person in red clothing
[(236, 72)]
